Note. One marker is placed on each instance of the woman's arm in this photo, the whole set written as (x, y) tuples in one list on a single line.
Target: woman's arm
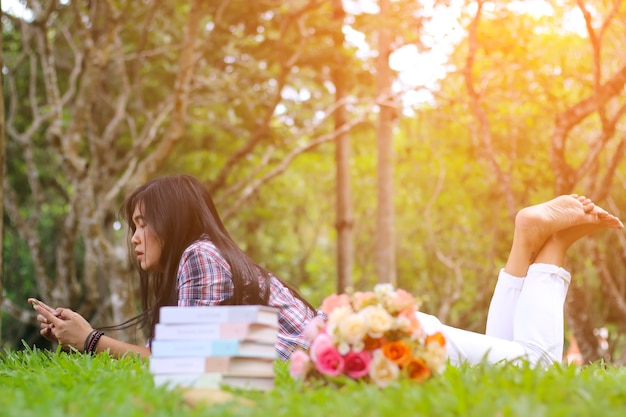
[(70, 329), (117, 348)]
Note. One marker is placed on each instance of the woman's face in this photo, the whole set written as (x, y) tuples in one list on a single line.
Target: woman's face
[(148, 246)]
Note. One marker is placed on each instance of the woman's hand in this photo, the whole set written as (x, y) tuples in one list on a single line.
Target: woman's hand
[(69, 328), (45, 326)]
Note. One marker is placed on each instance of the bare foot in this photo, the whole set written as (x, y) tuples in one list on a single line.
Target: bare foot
[(535, 224), (553, 252), (599, 219)]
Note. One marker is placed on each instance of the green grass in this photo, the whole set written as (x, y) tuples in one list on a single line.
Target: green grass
[(50, 384)]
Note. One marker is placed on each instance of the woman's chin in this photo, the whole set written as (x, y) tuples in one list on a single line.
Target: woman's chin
[(151, 268)]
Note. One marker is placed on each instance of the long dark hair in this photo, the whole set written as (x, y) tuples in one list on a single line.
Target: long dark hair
[(180, 210)]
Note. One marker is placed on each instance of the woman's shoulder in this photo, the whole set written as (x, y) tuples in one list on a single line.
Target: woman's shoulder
[(202, 243), (201, 254), (202, 247)]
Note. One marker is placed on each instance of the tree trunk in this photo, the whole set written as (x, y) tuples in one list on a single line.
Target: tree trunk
[(345, 245), (344, 211), (385, 240)]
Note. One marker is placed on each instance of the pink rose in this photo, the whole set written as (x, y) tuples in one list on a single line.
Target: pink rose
[(333, 301), (404, 300), (329, 361), (357, 364), (412, 324), (313, 328), (321, 343), (299, 364)]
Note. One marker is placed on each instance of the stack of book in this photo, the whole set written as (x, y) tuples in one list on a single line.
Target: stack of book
[(210, 347)]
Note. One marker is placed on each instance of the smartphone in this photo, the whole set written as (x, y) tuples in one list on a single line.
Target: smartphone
[(36, 302)]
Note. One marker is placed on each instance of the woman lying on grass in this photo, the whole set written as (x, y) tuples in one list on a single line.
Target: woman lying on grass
[(186, 257)]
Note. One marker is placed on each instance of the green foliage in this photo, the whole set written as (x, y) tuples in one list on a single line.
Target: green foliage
[(36, 383)]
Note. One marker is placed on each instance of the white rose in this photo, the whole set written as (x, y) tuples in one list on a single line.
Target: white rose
[(435, 357), (377, 319), (336, 317), (382, 371), (352, 329), (339, 314)]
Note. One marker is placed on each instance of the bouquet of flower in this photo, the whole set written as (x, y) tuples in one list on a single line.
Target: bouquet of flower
[(371, 336)]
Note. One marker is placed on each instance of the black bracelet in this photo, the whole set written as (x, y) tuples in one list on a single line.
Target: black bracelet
[(88, 340), (94, 342)]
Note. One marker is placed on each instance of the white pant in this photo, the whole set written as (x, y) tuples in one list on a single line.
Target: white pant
[(525, 321)]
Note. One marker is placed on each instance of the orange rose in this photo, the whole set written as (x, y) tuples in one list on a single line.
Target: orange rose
[(435, 338), (418, 370), (373, 343), (397, 352)]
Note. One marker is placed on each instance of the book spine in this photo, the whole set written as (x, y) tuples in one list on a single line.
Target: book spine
[(211, 315), (197, 365), (191, 365), (187, 348), (189, 331), (206, 380), (201, 331), (214, 380)]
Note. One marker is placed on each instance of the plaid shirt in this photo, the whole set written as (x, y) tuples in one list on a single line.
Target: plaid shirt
[(204, 279)]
